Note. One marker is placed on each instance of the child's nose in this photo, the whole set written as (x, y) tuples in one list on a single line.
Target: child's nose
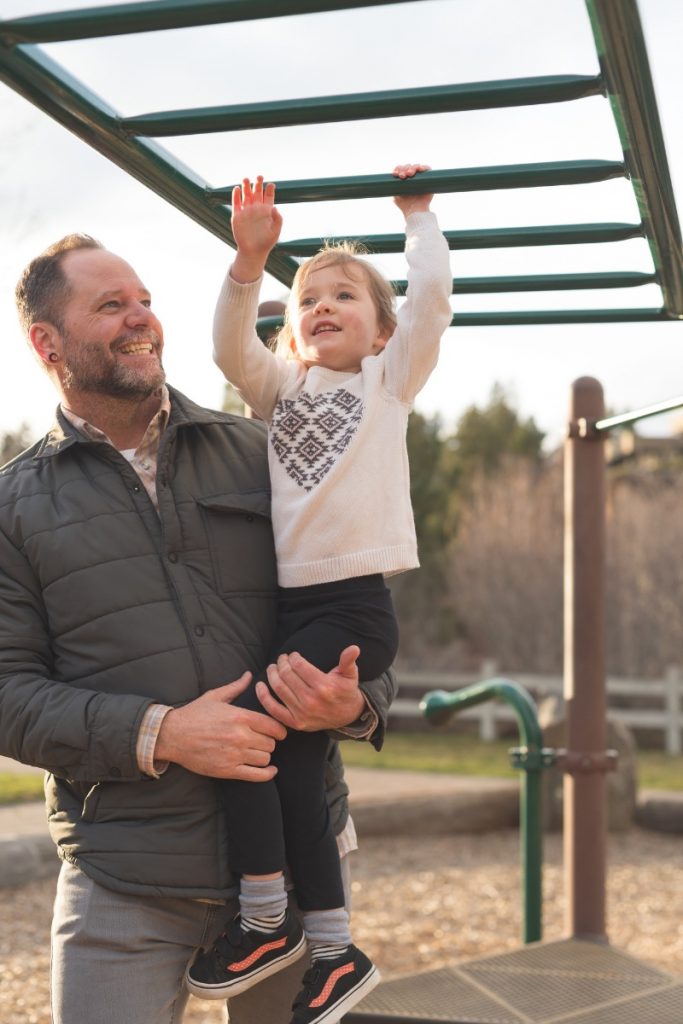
[(323, 305)]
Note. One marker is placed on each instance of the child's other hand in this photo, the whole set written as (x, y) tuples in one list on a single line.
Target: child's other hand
[(408, 204), (256, 225)]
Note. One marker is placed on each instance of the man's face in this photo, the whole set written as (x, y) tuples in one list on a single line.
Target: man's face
[(111, 340)]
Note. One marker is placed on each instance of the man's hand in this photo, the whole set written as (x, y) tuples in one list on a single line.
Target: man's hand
[(408, 203), (256, 225), (210, 736), (313, 700)]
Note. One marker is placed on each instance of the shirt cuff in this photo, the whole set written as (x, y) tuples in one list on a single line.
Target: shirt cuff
[(147, 741), (365, 724)]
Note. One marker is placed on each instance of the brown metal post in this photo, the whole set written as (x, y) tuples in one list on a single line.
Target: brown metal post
[(585, 795)]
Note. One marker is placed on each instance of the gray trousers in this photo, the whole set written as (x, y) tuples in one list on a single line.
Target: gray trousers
[(120, 959)]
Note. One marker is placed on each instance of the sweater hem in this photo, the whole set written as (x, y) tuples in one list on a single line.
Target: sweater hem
[(387, 561)]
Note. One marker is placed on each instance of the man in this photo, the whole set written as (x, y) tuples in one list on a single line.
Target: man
[(137, 585)]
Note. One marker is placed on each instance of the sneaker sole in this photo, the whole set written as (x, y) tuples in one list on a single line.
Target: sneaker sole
[(362, 989), (228, 989)]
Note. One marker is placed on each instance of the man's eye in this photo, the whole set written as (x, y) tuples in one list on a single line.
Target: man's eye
[(111, 304), (147, 303)]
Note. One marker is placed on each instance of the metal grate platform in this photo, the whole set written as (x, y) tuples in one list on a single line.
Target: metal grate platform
[(570, 981)]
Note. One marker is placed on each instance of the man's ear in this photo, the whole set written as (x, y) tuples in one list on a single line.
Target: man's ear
[(45, 339)]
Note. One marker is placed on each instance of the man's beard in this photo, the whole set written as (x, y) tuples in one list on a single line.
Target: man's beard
[(86, 368)]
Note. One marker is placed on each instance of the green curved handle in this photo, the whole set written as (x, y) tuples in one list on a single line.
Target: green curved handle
[(438, 706)]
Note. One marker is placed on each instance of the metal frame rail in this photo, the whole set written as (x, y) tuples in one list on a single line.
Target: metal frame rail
[(438, 706), (624, 78)]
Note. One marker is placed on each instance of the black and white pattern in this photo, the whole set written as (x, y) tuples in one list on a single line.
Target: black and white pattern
[(309, 434)]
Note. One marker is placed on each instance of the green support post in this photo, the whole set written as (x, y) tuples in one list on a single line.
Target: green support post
[(531, 757)]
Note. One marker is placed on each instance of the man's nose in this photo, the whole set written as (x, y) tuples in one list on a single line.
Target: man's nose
[(139, 315)]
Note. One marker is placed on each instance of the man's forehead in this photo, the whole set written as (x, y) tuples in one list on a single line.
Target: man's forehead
[(98, 270)]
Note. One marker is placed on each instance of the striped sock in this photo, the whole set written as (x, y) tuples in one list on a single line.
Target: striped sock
[(327, 932), (263, 904), (328, 952)]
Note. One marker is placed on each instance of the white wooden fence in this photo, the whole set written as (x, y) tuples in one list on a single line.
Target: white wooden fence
[(666, 694)]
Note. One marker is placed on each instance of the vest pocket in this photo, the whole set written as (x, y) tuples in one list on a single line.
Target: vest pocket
[(240, 538)]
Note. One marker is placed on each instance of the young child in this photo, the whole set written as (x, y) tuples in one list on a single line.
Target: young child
[(336, 396)]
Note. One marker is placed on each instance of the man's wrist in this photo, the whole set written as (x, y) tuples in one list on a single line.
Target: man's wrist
[(364, 725)]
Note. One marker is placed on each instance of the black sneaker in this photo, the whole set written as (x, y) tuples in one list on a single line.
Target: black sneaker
[(332, 987), (238, 959)]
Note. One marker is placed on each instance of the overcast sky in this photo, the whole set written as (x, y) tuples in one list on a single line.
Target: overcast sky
[(51, 183)]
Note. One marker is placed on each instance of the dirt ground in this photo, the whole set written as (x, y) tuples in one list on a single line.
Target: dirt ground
[(419, 903)]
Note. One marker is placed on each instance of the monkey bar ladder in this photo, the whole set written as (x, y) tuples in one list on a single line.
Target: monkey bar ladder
[(624, 78), (577, 980)]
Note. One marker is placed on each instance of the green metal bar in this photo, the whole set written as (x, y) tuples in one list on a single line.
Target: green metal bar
[(486, 238), (543, 282), (626, 70), (362, 106), (467, 179), (155, 15), (49, 87), (639, 414), (438, 707), (516, 318)]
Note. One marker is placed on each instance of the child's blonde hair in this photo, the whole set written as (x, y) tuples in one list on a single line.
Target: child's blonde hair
[(346, 255)]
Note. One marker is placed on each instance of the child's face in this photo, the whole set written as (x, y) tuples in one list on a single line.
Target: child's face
[(335, 323)]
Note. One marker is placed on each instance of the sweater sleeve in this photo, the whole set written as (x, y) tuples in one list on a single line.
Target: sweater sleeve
[(412, 352), (253, 370)]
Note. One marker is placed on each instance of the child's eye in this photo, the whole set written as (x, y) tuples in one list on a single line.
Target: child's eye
[(345, 295), (307, 301)]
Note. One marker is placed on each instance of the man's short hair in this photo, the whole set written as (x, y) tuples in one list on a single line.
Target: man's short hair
[(43, 289)]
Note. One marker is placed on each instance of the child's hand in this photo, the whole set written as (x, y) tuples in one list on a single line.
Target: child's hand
[(256, 225), (411, 203)]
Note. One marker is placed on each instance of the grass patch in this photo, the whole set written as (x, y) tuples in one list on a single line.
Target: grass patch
[(462, 754), (450, 753), (17, 787), (657, 770)]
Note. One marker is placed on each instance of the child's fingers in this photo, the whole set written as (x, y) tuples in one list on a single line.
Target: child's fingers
[(269, 194), (409, 170), (237, 199), (247, 194), (258, 190)]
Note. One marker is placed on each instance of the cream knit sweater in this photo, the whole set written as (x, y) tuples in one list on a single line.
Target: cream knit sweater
[(337, 450)]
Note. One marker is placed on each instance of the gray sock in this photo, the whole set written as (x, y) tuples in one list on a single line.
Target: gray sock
[(327, 932), (263, 903)]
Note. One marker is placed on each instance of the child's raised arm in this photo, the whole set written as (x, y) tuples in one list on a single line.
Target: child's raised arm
[(256, 225), (411, 203)]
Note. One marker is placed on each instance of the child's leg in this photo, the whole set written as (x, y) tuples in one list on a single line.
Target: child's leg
[(265, 938), (320, 622)]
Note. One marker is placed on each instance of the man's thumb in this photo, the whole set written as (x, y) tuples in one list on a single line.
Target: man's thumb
[(227, 693)]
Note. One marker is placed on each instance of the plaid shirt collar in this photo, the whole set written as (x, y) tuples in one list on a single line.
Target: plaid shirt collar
[(144, 458)]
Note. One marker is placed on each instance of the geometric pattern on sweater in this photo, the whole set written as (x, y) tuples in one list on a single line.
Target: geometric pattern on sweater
[(309, 433)]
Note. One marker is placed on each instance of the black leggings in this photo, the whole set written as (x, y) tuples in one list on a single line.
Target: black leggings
[(287, 819)]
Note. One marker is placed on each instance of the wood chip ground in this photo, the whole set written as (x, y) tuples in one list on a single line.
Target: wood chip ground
[(419, 903)]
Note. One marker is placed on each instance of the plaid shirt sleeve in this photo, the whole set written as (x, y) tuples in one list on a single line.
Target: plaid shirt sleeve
[(364, 726), (147, 741)]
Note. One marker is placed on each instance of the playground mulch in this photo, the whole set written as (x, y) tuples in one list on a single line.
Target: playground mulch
[(419, 903)]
